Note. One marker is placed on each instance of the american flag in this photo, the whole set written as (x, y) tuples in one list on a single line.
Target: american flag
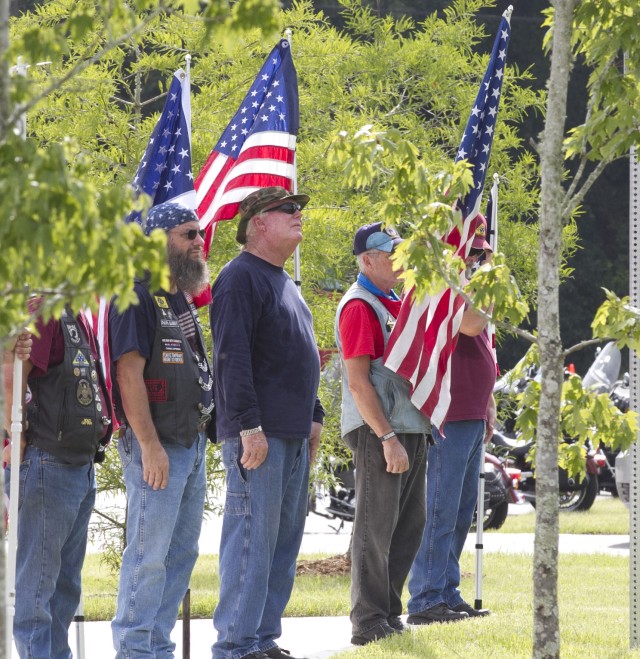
[(426, 332), (257, 148), (164, 173)]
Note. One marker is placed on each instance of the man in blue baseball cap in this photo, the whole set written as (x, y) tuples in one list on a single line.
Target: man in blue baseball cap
[(164, 401), (387, 435)]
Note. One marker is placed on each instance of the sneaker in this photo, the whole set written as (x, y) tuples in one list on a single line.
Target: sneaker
[(278, 653), (377, 633), (438, 613), (463, 607), (396, 624)]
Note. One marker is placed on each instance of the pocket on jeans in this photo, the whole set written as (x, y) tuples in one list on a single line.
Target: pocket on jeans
[(124, 450), (24, 471)]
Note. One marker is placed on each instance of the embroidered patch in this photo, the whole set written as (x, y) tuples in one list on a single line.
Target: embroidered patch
[(173, 357), (80, 360), (84, 394), (74, 334), (86, 422), (156, 390), (161, 301)]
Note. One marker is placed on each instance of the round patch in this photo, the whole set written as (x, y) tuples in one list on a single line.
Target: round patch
[(84, 393), (76, 371)]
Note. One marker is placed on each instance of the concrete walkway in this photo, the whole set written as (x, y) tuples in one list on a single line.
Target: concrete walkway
[(320, 638)]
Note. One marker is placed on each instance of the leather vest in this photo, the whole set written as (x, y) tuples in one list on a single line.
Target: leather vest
[(393, 391), (67, 415), (179, 385)]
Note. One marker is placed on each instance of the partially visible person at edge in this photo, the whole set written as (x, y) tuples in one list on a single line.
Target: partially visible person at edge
[(67, 423), (388, 437), (164, 400), (454, 468), (267, 370)]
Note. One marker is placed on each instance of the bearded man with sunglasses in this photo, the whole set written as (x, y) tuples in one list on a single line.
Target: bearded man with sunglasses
[(269, 420), (454, 468), (164, 400)]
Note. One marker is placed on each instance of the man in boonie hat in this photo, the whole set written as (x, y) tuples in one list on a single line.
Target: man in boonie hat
[(268, 200), (269, 422)]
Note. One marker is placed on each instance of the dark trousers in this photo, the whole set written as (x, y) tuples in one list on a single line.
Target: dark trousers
[(388, 526)]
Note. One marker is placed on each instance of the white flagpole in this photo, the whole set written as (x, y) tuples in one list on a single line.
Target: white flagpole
[(491, 329), (16, 433), (294, 190)]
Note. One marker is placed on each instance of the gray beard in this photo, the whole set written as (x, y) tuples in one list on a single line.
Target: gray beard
[(189, 275)]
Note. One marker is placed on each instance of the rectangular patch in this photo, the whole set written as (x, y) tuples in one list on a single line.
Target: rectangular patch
[(173, 357), (168, 322), (156, 390)]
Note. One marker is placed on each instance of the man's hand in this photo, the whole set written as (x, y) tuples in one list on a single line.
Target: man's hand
[(254, 450), (395, 455), (314, 441), (491, 420), (23, 345), (155, 465), (6, 452)]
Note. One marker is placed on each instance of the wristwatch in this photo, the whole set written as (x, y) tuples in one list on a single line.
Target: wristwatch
[(250, 431)]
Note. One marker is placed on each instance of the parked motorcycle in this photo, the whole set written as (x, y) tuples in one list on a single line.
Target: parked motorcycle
[(575, 493), (338, 502), (500, 483)]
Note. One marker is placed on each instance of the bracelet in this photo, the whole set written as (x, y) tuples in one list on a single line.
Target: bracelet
[(250, 431), (389, 435)]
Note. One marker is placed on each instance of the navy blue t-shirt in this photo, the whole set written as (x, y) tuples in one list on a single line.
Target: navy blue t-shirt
[(265, 359)]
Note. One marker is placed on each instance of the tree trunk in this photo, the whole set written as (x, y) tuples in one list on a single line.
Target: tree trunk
[(4, 66), (546, 630)]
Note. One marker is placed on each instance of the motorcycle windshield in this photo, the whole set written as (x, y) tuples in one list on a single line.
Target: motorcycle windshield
[(605, 369)]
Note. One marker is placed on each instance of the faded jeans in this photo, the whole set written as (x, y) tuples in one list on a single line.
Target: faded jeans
[(264, 516), (163, 528), (452, 492), (55, 504), (389, 520)]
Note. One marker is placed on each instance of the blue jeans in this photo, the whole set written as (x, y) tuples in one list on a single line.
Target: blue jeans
[(264, 516), (163, 528), (55, 504), (453, 470)]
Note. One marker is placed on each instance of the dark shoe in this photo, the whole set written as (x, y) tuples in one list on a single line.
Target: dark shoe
[(463, 607), (438, 613), (278, 653), (380, 631), (396, 624)]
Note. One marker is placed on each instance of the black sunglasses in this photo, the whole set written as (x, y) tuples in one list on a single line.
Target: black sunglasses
[(192, 233), (289, 207)]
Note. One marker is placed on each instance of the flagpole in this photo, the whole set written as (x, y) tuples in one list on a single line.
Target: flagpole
[(491, 330), (294, 189), (16, 434)]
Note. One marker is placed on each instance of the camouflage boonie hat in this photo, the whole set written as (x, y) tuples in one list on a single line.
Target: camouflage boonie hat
[(257, 201)]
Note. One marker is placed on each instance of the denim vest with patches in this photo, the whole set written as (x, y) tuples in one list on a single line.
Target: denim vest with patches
[(393, 391)]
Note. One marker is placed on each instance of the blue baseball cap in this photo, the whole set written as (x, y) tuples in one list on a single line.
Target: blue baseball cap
[(373, 236)]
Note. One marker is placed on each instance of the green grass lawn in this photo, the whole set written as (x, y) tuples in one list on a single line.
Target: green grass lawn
[(608, 516), (593, 597), (594, 607)]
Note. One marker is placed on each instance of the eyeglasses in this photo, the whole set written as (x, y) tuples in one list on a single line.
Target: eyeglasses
[(289, 207), (193, 233)]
